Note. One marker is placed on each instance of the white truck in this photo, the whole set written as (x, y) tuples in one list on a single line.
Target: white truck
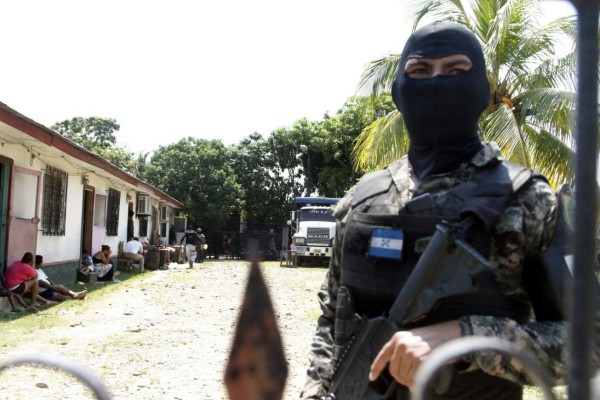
[(314, 229)]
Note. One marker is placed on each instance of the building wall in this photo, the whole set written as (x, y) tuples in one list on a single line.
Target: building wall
[(32, 148), (63, 272), (99, 237), (67, 247), (25, 177), (61, 253)]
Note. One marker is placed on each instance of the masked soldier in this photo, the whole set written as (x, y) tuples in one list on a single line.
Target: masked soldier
[(449, 174)]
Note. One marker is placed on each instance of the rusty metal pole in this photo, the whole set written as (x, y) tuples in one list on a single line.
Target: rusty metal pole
[(257, 369), (583, 302)]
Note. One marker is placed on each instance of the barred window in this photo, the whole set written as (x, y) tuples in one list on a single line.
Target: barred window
[(143, 226), (112, 212), (55, 202)]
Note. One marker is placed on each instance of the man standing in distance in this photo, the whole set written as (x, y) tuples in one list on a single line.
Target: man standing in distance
[(201, 250)]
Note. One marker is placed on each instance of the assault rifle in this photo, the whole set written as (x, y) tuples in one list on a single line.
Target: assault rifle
[(446, 268)]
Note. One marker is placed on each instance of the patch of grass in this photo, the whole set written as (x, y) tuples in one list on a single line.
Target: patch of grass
[(60, 340), (26, 322), (314, 314), (133, 357)]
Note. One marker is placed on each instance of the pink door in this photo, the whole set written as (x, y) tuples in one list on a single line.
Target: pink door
[(24, 213)]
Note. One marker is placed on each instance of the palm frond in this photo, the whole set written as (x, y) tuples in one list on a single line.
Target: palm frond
[(431, 10), (378, 76), (530, 144), (502, 128), (493, 26), (381, 143), (560, 72), (565, 25), (551, 156), (510, 27), (537, 46), (548, 109)]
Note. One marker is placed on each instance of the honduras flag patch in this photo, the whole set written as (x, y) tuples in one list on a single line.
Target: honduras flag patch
[(386, 243)]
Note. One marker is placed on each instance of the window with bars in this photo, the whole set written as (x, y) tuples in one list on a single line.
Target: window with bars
[(143, 204), (55, 202), (112, 212)]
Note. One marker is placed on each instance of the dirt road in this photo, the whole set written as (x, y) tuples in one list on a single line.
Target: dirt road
[(166, 335)]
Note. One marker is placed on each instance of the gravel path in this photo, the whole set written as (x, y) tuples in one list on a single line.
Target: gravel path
[(164, 336)]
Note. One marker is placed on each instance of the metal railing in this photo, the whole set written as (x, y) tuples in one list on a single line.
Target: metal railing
[(442, 355), (82, 373)]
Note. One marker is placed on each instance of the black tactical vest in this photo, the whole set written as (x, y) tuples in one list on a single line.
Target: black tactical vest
[(191, 237), (374, 283)]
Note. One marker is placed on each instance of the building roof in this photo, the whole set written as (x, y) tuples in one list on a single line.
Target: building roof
[(54, 140)]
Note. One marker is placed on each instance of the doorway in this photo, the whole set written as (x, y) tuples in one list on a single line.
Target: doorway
[(4, 187), (87, 219)]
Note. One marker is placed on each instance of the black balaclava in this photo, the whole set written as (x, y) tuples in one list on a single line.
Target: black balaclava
[(441, 113)]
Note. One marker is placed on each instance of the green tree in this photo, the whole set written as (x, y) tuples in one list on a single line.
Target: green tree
[(198, 173), (332, 169), (98, 136), (288, 165), (140, 164), (265, 195), (530, 114)]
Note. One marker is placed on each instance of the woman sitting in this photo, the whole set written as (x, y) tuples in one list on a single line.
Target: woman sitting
[(102, 265)]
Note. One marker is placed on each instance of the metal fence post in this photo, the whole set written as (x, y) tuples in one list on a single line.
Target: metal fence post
[(583, 304)]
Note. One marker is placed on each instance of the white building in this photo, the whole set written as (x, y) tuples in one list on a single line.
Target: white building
[(56, 198)]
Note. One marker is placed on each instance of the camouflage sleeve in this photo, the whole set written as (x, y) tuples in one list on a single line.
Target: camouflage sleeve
[(524, 229), (321, 351)]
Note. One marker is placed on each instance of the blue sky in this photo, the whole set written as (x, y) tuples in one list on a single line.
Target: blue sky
[(209, 69)]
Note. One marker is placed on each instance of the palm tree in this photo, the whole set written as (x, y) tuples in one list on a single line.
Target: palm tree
[(530, 114), (141, 163)]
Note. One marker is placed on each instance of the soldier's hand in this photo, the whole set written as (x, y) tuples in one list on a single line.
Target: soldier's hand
[(406, 350)]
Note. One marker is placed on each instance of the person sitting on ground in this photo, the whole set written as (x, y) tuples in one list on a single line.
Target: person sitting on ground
[(21, 278), (6, 292), (134, 250), (86, 259), (86, 265), (52, 291), (102, 265)]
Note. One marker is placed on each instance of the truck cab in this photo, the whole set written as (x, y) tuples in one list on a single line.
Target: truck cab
[(315, 229)]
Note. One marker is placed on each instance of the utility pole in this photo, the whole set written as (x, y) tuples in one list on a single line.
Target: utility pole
[(304, 150)]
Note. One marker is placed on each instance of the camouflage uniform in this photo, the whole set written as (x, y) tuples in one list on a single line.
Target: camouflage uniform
[(523, 229)]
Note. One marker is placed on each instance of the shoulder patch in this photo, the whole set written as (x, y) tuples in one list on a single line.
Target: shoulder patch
[(371, 185), (519, 175), (494, 186)]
